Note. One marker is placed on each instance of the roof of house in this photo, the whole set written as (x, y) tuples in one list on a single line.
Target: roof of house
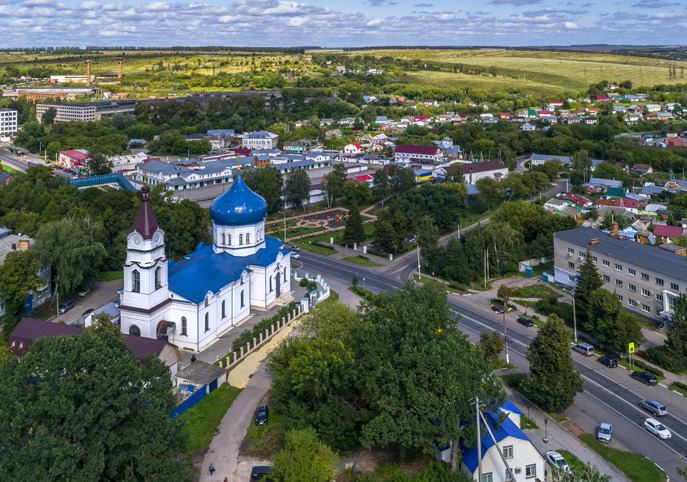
[(29, 330), (546, 157), (577, 199), (668, 231), (78, 154), (201, 373), (260, 135), (599, 181), (641, 255), (412, 149), (482, 166), (641, 167)]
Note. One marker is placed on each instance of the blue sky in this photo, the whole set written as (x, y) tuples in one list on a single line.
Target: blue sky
[(330, 23)]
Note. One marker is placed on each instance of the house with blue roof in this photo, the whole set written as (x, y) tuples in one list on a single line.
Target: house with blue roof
[(523, 459), (193, 301)]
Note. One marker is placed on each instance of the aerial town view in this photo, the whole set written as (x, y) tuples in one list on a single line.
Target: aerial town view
[(317, 241)]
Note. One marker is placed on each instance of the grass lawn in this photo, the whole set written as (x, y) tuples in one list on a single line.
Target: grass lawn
[(319, 249), (263, 441), (362, 260), (678, 389), (501, 364), (44, 312), (110, 275), (201, 420), (535, 291), (362, 292), (636, 467), (525, 303), (452, 289)]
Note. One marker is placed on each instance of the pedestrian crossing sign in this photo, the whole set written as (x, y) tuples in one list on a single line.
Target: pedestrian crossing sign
[(631, 348)]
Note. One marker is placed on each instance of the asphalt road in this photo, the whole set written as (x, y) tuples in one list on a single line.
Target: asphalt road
[(610, 395), (13, 161)]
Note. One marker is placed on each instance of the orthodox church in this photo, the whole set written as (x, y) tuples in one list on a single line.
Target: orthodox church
[(193, 301)]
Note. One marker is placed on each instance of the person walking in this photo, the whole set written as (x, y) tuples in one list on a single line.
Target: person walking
[(211, 469)]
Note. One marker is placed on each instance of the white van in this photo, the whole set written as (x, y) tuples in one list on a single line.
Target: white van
[(585, 348)]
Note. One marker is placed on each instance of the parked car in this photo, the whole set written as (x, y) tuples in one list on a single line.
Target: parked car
[(85, 291), (65, 306), (261, 415), (88, 312), (523, 320), (557, 461), (260, 472), (608, 361), (498, 309), (605, 432), (294, 247), (585, 348), (657, 408), (645, 377), (295, 255), (657, 428)]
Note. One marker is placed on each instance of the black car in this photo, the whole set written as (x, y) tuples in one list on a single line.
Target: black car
[(645, 377), (261, 415), (497, 309), (608, 361), (524, 321), (88, 312), (260, 472)]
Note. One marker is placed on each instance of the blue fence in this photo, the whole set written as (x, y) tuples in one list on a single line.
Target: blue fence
[(117, 177), (196, 397)]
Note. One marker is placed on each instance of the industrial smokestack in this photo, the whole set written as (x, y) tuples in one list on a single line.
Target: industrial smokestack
[(88, 72), (119, 67)]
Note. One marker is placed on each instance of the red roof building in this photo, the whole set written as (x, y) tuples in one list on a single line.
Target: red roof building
[(577, 199), (416, 154), (668, 231)]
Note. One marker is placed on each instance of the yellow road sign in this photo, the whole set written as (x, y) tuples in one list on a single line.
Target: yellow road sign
[(631, 348)]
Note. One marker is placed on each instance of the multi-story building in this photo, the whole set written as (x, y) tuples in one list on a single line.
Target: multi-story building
[(420, 155), (8, 121), (259, 140), (68, 112), (646, 279)]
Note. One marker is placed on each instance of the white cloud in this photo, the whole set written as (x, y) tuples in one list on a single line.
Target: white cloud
[(570, 25)]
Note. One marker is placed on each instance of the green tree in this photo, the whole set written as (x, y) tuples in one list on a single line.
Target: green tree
[(83, 408), (333, 183), (489, 190), (381, 184), (48, 117), (297, 188), (303, 458), (357, 193), (267, 182), (18, 276), (98, 164), (71, 247), (676, 342), (491, 345), (553, 380), (354, 232), (610, 324), (588, 281)]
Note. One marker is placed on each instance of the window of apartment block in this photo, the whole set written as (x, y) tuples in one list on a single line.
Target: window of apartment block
[(645, 277), (646, 308), (632, 302), (631, 271), (508, 452), (530, 471), (580, 254), (607, 279), (606, 262), (675, 286), (487, 477), (618, 282), (646, 292), (631, 287), (618, 267), (594, 259), (659, 297), (571, 265), (620, 298), (659, 281), (571, 250)]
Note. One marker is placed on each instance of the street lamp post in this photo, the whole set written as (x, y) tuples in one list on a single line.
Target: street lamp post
[(284, 214), (574, 317), (417, 249), (505, 331), (546, 433)]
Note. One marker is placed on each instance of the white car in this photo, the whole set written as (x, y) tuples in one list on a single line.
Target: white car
[(556, 461), (295, 255), (657, 428)]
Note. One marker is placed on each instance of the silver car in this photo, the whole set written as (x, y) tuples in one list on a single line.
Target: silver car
[(557, 462), (605, 432), (657, 428), (657, 408)]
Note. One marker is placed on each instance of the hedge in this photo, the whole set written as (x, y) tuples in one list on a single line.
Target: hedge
[(260, 327)]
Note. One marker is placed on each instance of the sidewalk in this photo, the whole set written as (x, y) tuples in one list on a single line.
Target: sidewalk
[(560, 439)]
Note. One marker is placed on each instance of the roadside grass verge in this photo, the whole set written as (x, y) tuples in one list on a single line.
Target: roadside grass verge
[(263, 441), (201, 420), (678, 388), (448, 287), (525, 303), (362, 260), (502, 365), (362, 292), (636, 467), (316, 247), (535, 291)]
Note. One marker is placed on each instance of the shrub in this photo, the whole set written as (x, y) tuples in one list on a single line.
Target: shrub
[(322, 245), (260, 327), (680, 385), (648, 368), (659, 356)]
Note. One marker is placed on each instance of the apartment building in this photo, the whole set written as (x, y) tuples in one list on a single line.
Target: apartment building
[(259, 140), (68, 112), (646, 279), (8, 121)]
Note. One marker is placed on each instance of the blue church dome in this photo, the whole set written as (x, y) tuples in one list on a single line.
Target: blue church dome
[(238, 206)]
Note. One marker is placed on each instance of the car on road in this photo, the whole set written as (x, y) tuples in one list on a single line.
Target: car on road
[(295, 255), (261, 415), (608, 361), (645, 377), (556, 461), (65, 306), (497, 309), (585, 348), (85, 291), (657, 428), (260, 472), (605, 432), (524, 321), (657, 408), (294, 247)]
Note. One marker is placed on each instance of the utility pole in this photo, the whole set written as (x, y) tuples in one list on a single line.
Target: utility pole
[(505, 330), (479, 442), (417, 248), (485, 268), (574, 316), (284, 214)]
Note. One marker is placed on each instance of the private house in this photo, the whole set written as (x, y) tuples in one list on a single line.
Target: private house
[(431, 102), (411, 154), (664, 234), (259, 140), (642, 169), (352, 148), (302, 145), (127, 163), (473, 171), (578, 200), (29, 330), (539, 159), (523, 459), (75, 159), (528, 126)]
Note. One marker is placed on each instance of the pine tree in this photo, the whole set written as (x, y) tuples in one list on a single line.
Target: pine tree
[(589, 280), (676, 344), (553, 380), (353, 232)]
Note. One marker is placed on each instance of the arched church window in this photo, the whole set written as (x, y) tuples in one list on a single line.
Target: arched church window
[(243, 303), (207, 321), (228, 239), (223, 240), (135, 281), (224, 309), (207, 301), (285, 274), (247, 238), (270, 284), (240, 239), (184, 326), (134, 330), (158, 278)]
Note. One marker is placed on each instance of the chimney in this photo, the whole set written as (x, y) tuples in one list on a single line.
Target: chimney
[(23, 244), (594, 241), (614, 228), (119, 67), (88, 72)]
